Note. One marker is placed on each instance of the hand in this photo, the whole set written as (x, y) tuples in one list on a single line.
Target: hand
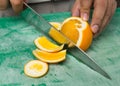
[(102, 12), (3, 4), (17, 5)]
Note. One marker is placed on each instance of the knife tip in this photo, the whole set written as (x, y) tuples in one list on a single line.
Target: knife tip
[(108, 77)]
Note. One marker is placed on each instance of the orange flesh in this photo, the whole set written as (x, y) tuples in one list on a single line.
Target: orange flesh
[(70, 28), (57, 36), (50, 56), (36, 67), (46, 44)]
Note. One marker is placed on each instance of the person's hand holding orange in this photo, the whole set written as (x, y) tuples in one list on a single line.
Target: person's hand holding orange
[(102, 13)]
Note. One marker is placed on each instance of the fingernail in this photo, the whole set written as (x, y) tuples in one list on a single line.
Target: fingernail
[(95, 28), (85, 17)]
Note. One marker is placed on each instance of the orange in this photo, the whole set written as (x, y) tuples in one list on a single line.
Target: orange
[(55, 34), (50, 57), (78, 31), (35, 68), (46, 45)]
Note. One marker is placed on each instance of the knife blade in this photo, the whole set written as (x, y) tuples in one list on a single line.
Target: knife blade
[(44, 26)]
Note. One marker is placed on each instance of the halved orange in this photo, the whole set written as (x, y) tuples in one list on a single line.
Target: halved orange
[(56, 35), (46, 45), (35, 68), (78, 31), (50, 57)]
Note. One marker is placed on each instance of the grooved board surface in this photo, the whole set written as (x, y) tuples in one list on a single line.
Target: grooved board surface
[(16, 45)]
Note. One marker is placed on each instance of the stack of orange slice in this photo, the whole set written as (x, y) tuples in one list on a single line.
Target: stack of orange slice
[(47, 52)]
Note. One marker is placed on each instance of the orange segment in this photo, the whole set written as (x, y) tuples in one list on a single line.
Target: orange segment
[(67, 29), (56, 25), (50, 57), (55, 34), (44, 44), (86, 38), (78, 31), (35, 68)]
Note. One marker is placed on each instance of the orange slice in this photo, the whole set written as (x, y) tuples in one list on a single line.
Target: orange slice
[(35, 68), (50, 57), (44, 44), (56, 35), (56, 25), (78, 31)]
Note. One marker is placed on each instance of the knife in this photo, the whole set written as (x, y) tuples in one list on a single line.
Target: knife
[(44, 26)]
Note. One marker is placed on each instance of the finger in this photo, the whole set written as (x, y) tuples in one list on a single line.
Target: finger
[(109, 13), (3, 4), (17, 5), (85, 9), (98, 14), (106, 17), (76, 8)]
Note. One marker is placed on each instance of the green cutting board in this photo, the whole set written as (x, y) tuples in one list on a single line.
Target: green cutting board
[(16, 45)]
